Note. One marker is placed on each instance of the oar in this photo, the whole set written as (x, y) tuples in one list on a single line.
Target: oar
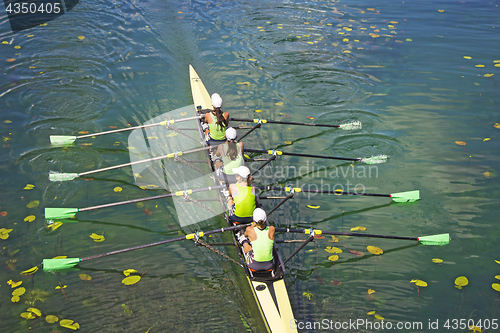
[(67, 213), (441, 239), (369, 160), (58, 264), (409, 196), (60, 177), (349, 126), (62, 140)]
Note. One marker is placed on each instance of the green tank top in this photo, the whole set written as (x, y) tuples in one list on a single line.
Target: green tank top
[(263, 246), (217, 133), (229, 164), (244, 202)]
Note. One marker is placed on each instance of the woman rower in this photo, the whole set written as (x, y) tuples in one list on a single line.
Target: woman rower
[(230, 156), (217, 121), (258, 254), (241, 197)]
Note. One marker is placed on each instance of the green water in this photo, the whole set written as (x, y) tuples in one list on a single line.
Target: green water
[(419, 76)]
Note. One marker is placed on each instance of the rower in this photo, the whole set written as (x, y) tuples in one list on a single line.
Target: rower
[(217, 121), (258, 254), (229, 156), (241, 196)]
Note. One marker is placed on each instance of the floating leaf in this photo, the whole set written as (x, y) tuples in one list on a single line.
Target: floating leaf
[(29, 187), (147, 211), (3, 213), (15, 299), (461, 143), (479, 65), (358, 228), (310, 117), (333, 258), (278, 103), (497, 277), (252, 59), (497, 261), (51, 319), (81, 37), (258, 111), (334, 239), (374, 250), (28, 315), (488, 75), (379, 317), (333, 249), (497, 125), (312, 207), (370, 291), (421, 283), (370, 313), (69, 324), (246, 83), (33, 204), (467, 57), (496, 286), (140, 205), (14, 284), (19, 291), (4, 233), (54, 225), (486, 139), (461, 281), (35, 311), (183, 113), (85, 277), (29, 218), (118, 189), (11, 60), (97, 238), (29, 271), (129, 271), (474, 329), (63, 287), (288, 142), (131, 280), (126, 309), (83, 132), (307, 295), (487, 174), (437, 261), (356, 252)]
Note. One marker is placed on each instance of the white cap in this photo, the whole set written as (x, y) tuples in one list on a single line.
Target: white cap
[(242, 171), (259, 215), (216, 100), (230, 133)]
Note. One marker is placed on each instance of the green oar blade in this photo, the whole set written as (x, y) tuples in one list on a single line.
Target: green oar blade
[(60, 213), (351, 126), (441, 239), (62, 140), (62, 177), (409, 196), (58, 264)]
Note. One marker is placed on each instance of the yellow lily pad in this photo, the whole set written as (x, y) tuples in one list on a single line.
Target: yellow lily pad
[(13, 284), (370, 291), (437, 260), (29, 187), (29, 218), (28, 315), (379, 317), (29, 271), (19, 291), (312, 207), (33, 204), (374, 250), (85, 277), (333, 249), (370, 313), (97, 238), (358, 228), (129, 271), (334, 239), (133, 279), (496, 286), (15, 299), (69, 324), (54, 225), (461, 281), (35, 311), (333, 257), (118, 189), (51, 319)]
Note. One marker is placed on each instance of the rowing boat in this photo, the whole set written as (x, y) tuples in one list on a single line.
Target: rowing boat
[(268, 288)]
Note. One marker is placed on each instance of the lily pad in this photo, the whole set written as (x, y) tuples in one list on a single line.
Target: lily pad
[(51, 319), (133, 279)]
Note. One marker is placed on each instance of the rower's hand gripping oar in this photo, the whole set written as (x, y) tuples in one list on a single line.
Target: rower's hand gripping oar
[(369, 160), (349, 126), (441, 239), (67, 213), (60, 177), (64, 140), (410, 196), (59, 264)]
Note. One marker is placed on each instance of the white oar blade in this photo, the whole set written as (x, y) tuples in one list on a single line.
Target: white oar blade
[(375, 159), (351, 126), (62, 177)]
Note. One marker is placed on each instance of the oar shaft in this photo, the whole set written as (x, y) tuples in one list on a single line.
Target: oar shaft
[(282, 122), (273, 157), (143, 161), (162, 242), (133, 128), (338, 192), (250, 131), (348, 234), (302, 155), (177, 193)]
